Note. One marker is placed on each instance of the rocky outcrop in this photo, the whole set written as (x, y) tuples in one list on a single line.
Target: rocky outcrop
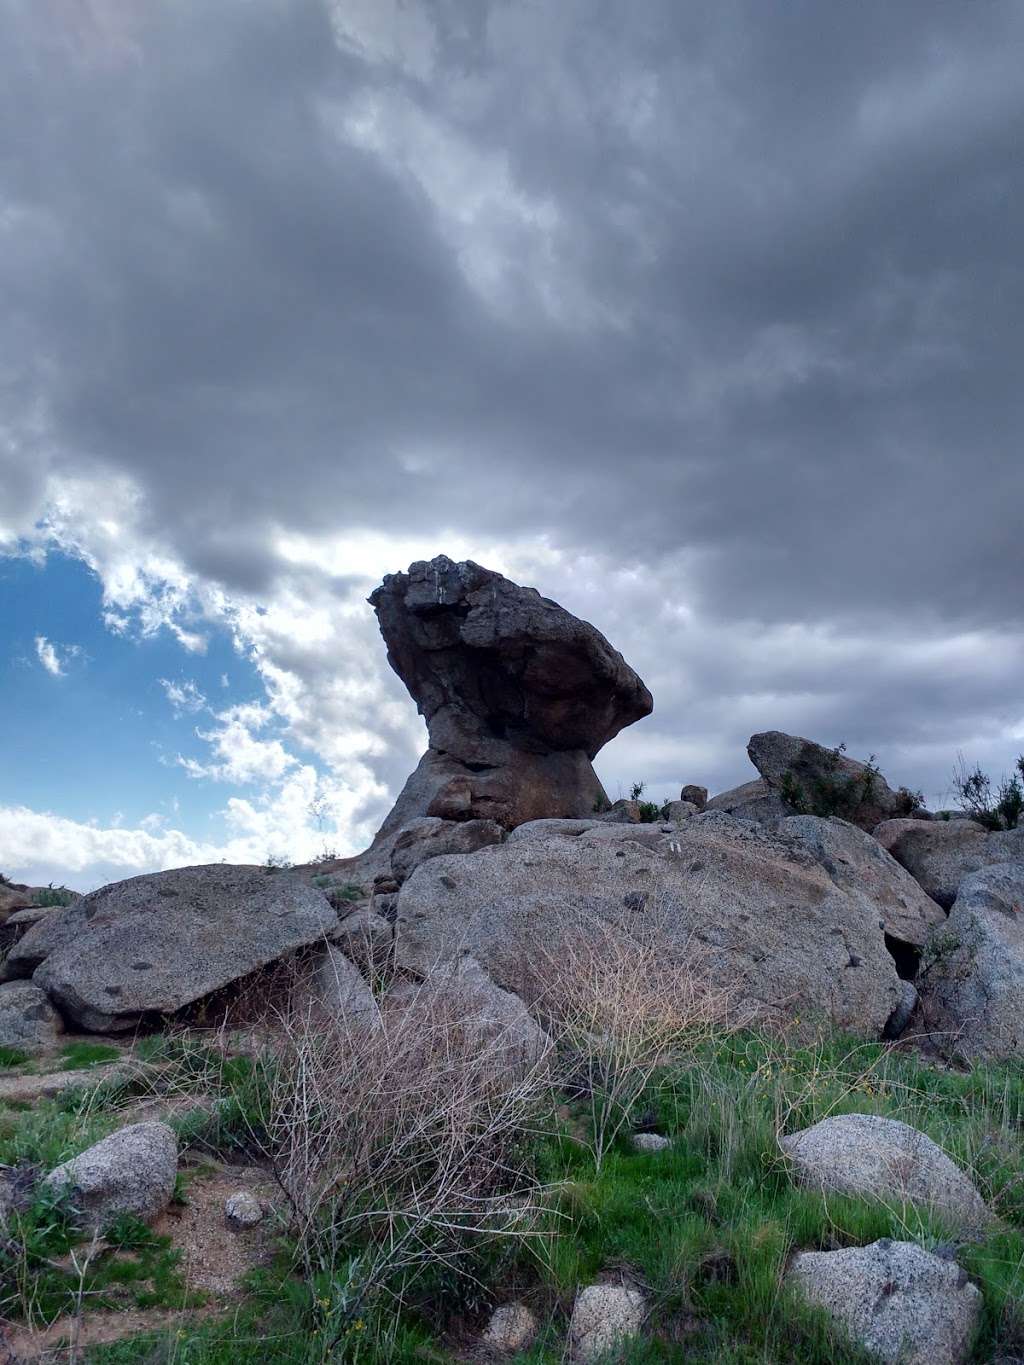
[(860, 865), (517, 693), (820, 781), (901, 1303), (883, 1159), (604, 1317), (752, 801), (758, 914), (131, 1171), (28, 1021), (156, 943), (939, 854), (972, 970)]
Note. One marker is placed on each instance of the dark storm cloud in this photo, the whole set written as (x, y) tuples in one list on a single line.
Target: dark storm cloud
[(732, 280)]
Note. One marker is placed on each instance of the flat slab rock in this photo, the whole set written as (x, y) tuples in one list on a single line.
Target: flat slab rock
[(757, 913), (883, 1159), (904, 1305), (154, 944)]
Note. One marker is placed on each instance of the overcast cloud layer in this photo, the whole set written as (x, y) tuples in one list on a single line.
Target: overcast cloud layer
[(702, 318)]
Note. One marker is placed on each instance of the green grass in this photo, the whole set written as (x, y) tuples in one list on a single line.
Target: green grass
[(80, 1056), (12, 1057), (705, 1227), (40, 1283)]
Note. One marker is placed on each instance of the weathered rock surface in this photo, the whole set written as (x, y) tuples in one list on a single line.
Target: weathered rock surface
[(27, 1019), (48, 932), (604, 1317), (339, 988), (972, 971), (497, 1021), (677, 811), (512, 1327), (902, 1304), (153, 944), (518, 695), (757, 913), (131, 1171), (825, 781), (884, 1159), (697, 796), (939, 854), (752, 801), (858, 864), (367, 939), (429, 837), (242, 1210), (649, 1142)]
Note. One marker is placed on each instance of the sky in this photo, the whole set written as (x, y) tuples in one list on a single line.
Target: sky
[(703, 318)]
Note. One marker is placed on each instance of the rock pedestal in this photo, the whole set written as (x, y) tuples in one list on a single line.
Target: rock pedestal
[(518, 695)]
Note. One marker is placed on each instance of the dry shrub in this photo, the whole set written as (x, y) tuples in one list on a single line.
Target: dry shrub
[(623, 1007), (401, 1140)]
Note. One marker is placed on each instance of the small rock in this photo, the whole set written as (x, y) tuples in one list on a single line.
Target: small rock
[(864, 1154), (604, 1316), (512, 1327), (131, 1171), (27, 1019), (650, 1142), (242, 1210), (697, 796), (899, 1301)]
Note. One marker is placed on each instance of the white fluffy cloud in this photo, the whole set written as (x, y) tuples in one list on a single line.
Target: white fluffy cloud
[(54, 657)]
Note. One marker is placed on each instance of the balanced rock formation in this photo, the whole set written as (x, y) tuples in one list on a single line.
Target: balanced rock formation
[(155, 943), (972, 977), (518, 696), (758, 914), (939, 854)]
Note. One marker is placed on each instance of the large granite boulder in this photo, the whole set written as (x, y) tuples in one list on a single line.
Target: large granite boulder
[(883, 1159), (821, 781), (756, 913), (939, 854), (972, 970), (860, 865), (518, 695), (901, 1303), (132, 1171), (752, 801), (153, 944)]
